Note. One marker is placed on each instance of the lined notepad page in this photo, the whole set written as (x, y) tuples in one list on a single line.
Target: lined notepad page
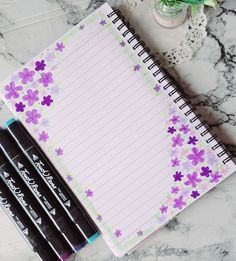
[(130, 155)]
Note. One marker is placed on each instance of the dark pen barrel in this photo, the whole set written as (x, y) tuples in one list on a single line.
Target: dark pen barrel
[(53, 179), (28, 230)]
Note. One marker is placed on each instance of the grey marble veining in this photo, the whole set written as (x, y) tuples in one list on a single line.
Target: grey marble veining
[(205, 231)]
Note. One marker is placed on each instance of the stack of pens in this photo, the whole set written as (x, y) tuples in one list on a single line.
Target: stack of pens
[(37, 199)]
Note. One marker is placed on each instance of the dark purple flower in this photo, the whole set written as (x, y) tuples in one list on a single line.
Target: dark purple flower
[(175, 162), (26, 75), (47, 100), (192, 180), (12, 91), (178, 176), (177, 141), (196, 156), (140, 233), (179, 203), (171, 130), (40, 65), (195, 194), (206, 171), (59, 47), (46, 79), (19, 107), (174, 119), (184, 128), (192, 140), (81, 27), (215, 177), (163, 209), (99, 218), (102, 22)]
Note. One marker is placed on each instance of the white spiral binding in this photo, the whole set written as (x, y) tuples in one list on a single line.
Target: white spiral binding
[(148, 59)]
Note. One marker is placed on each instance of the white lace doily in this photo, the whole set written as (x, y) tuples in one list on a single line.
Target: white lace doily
[(171, 46)]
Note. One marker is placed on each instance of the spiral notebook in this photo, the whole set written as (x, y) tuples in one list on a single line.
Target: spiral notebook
[(129, 145)]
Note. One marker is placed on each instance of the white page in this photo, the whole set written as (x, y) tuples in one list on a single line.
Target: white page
[(105, 127)]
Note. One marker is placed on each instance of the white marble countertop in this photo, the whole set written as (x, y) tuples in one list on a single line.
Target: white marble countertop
[(205, 231)]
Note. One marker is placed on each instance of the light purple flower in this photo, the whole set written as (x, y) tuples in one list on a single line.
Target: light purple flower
[(122, 44), (163, 209), (192, 180), (174, 190), (118, 233), (89, 193), (157, 87), (69, 178), (46, 79), (32, 116), (140, 233), (12, 91), (215, 177), (175, 162), (137, 67), (174, 119), (31, 97), (179, 203), (184, 128), (43, 136), (26, 76), (102, 22), (81, 27), (59, 47), (19, 107), (177, 141), (99, 218), (59, 151), (196, 156)]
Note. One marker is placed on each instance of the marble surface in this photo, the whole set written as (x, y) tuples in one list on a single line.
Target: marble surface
[(205, 231)]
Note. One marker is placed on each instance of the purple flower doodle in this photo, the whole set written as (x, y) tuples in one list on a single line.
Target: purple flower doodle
[(195, 194), (157, 87), (196, 156), (12, 91), (192, 140), (118, 233), (32, 116), (47, 100), (102, 22), (40, 65), (171, 130), (179, 203), (20, 107), (177, 141), (59, 47), (122, 44), (178, 176), (89, 193), (140, 233), (99, 218), (163, 209), (69, 178), (59, 151), (175, 162), (26, 76), (137, 67), (206, 171), (31, 97), (192, 180), (184, 128), (46, 79), (174, 119), (215, 177), (81, 27), (43, 136), (174, 190)]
